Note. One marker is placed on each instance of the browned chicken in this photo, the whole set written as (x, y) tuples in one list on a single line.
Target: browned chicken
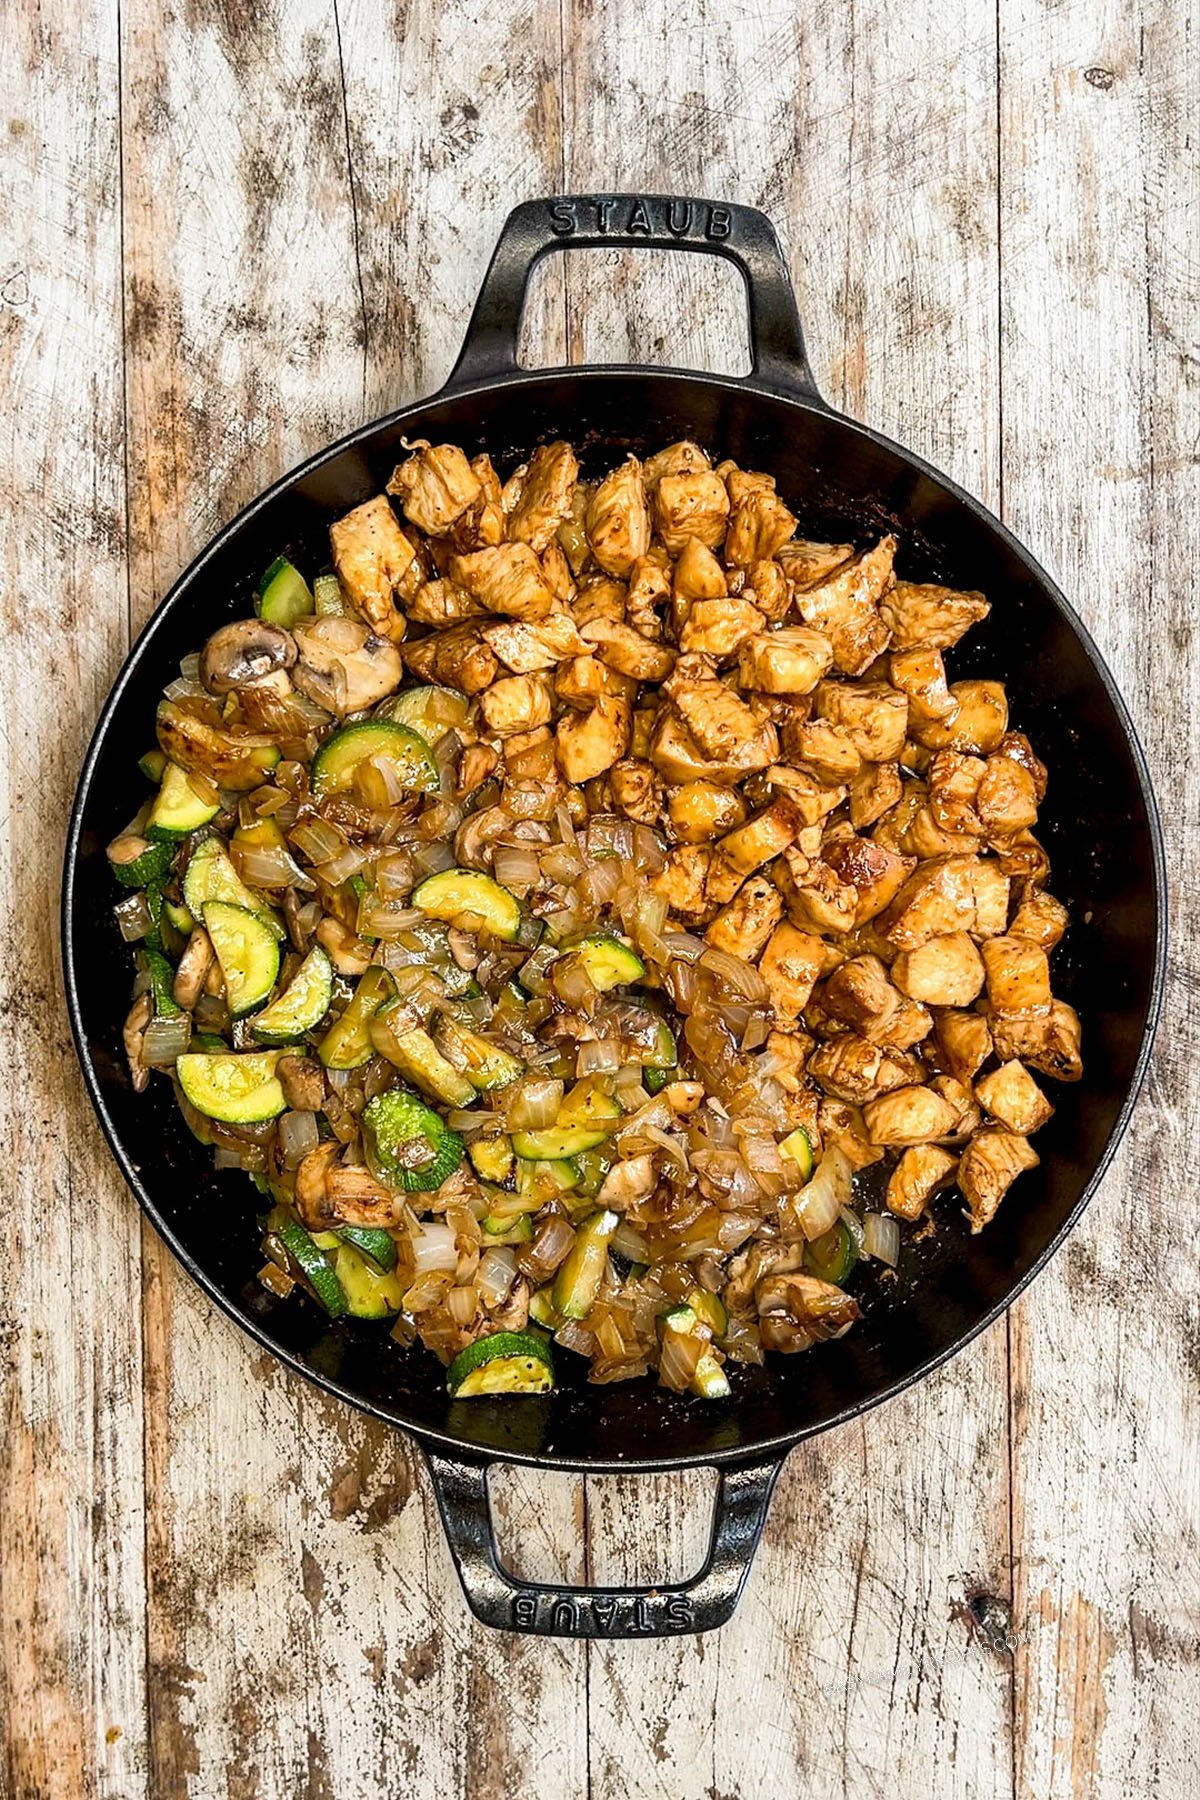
[(506, 578), (618, 519), (375, 563), (923, 614), (790, 965), (988, 1167), (944, 971), (845, 605), (1013, 1097), (920, 1172), (544, 500), (435, 487), (744, 926)]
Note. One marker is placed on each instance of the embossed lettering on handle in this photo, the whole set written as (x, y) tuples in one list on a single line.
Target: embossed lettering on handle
[(547, 1609), (740, 234)]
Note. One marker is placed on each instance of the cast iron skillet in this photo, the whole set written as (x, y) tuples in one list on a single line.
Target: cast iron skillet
[(1100, 825)]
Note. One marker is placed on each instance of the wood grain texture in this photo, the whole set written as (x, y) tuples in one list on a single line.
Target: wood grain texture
[(218, 1584)]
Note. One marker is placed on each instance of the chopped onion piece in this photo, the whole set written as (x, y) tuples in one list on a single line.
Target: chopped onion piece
[(535, 1103), (496, 1273), (434, 1252), (165, 1040), (298, 1135), (817, 1205), (881, 1238)]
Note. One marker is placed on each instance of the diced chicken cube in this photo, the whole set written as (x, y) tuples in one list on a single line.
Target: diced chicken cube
[(908, 1115), (920, 673), (618, 519), (964, 1041), (458, 657), (682, 882), (719, 628), (920, 1172), (525, 648), (842, 1124), (990, 1164), (751, 845), (557, 571), (958, 1095), (374, 562), (805, 563), (545, 498), (1018, 975), (845, 605), (442, 603), (507, 578), (589, 743), (516, 703), (979, 723), (1017, 747), (953, 780), (1039, 917), (697, 575), (790, 965), (990, 888), (937, 898), (861, 994), (874, 716), (703, 810), (599, 598), (743, 927), (791, 661), (853, 1069), (908, 1025), (649, 589), (759, 525), (877, 873), (693, 504), (944, 971), (922, 613), (627, 651), (874, 790), (1013, 1097), (769, 588), (1007, 800), (723, 725), (1048, 1042), (820, 901), (682, 458), (827, 750), (636, 790), (814, 799), (435, 487)]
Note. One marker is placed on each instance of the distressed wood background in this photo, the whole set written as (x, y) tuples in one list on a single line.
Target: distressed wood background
[(229, 231)]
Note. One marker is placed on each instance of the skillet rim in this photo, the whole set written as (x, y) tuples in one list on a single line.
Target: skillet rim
[(768, 1449)]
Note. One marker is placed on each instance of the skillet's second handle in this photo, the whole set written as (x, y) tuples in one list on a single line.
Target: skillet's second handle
[(501, 1599), (741, 234)]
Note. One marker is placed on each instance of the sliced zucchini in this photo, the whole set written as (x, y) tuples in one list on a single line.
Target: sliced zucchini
[(162, 984), (370, 1293), (347, 1044), (407, 1144), (340, 755), (798, 1146), (247, 952), (328, 600), (542, 1309), (578, 1280), (211, 1042), (178, 809), (547, 1179), (832, 1256), (587, 1104), (312, 1263), (508, 1362), (179, 917), (472, 901), (593, 1166), (609, 962), (710, 1309), (665, 1054), (152, 765), (555, 1142), (283, 595), (378, 1246), (210, 875), (491, 1157), (708, 1380), (302, 1004), (484, 1064), (236, 1089), (429, 711), (416, 1055), (655, 1080), (136, 862), (502, 1228)]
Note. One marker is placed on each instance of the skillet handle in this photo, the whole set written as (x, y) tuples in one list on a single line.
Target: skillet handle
[(741, 234), (543, 1609)]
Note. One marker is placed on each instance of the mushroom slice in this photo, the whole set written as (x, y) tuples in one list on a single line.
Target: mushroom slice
[(343, 666), (244, 653)]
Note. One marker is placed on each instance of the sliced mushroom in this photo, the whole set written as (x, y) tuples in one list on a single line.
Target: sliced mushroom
[(343, 666), (193, 969), (140, 1014), (245, 653)]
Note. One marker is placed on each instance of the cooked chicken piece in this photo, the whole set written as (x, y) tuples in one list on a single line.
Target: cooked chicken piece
[(723, 726), (910, 1024), (1011, 1095), (769, 588), (920, 674), (435, 486), (703, 810), (861, 994), (964, 1042), (683, 458), (692, 505), (921, 1171), (476, 765), (876, 872), (697, 575), (958, 1095), (743, 927), (571, 535), (791, 661), (937, 898), (1018, 975), (842, 1124), (874, 716), (524, 648), (751, 845), (874, 790), (908, 1115), (979, 724), (749, 1267), (758, 526), (814, 799), (990, 1164), (599, 598), (516, 703), (990, 887), (682, 880), (893, 827), (303, 1082), (342, 665), (953, 780), (618, 519), (805, 563), (545, 498), (852, 1069), (1048, 1042), (827, 750), (1017, 747), (628, 1181), (589, 743), (580, 680), (636, 790), (506, 578), (529, 757), (627, 651), (719, 628), (845, 605), (790, 1050), (374, 562), (1040, 918), (458, 658), (744, 482), (557, 571), (923, 614), (798, 1310), (442, 603), (1007, 799), (944, 971), (923, 837), (1021, 857), (649, 589), (819, 900), (790, 965)]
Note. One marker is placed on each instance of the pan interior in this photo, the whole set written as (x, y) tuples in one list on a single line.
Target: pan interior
[(1096, 824)]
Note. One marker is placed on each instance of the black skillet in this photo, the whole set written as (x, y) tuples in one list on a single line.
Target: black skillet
[(1100, 826)]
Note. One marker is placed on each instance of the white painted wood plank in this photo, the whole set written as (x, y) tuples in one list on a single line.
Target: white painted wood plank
[(72, 1656)]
